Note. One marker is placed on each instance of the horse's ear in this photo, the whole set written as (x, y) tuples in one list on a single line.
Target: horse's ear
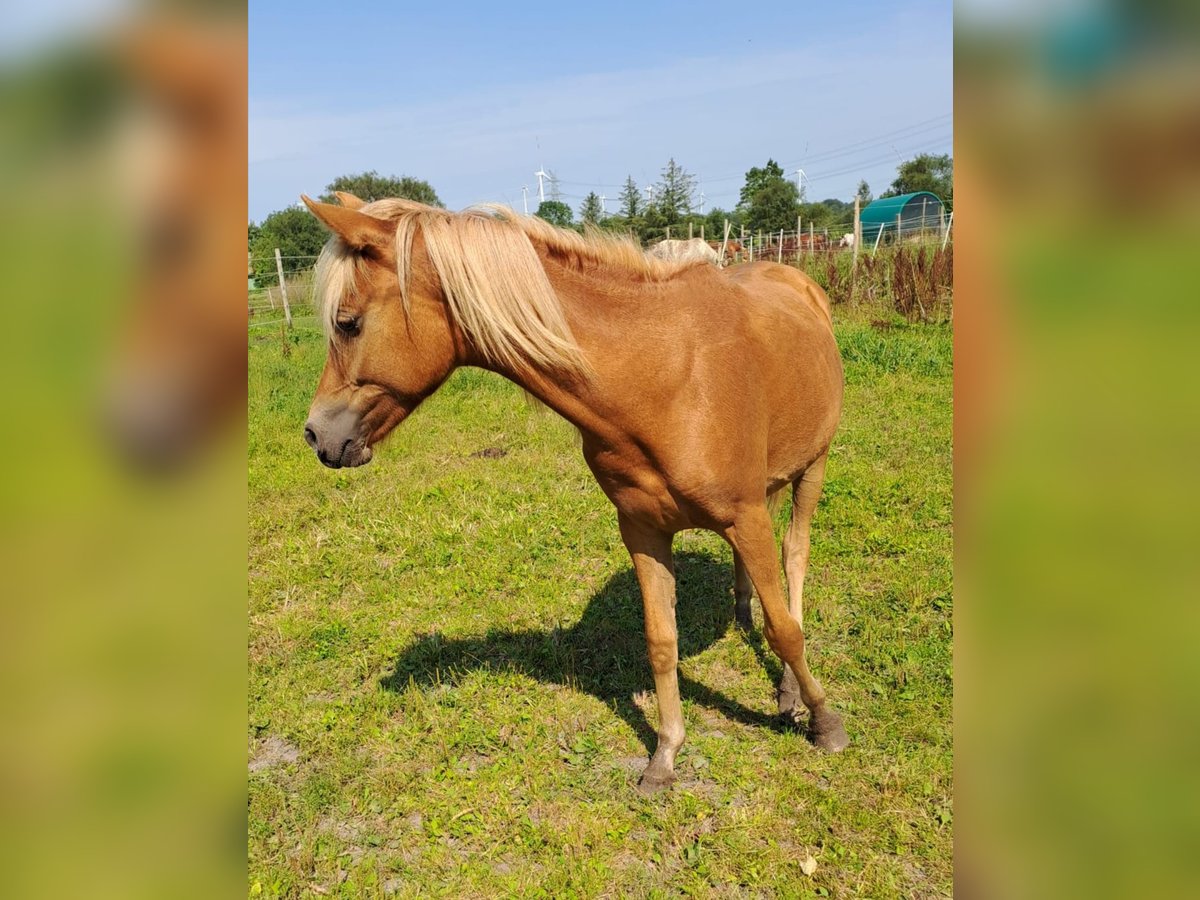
[(358, 230), (348, 200)]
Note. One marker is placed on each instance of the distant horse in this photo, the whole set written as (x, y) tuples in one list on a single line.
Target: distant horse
[(813, 243), (727, 251), (685, 251), (699, 393), (847, 240)]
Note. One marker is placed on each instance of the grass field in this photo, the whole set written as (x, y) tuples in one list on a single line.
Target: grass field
[(449, 694)]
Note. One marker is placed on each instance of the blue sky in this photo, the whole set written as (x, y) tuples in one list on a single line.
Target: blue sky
[(474, 97)]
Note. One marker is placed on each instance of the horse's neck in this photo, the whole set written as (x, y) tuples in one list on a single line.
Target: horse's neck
[(596, 310)]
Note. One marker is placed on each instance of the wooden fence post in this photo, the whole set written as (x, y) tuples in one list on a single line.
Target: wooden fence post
[(812, 247), (857, 231), (724, 243), (287, 310), (779, 257), (689, 230), (946, 236)]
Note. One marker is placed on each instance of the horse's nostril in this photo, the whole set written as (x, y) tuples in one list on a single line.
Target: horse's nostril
[(310, 437)]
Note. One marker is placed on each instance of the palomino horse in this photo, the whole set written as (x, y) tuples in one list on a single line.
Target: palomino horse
[(682, 251), (698, 392)]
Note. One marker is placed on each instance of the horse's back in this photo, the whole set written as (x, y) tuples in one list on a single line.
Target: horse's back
[(771, 282)]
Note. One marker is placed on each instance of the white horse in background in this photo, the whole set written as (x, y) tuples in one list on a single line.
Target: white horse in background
[(847, 240), (679, 251)]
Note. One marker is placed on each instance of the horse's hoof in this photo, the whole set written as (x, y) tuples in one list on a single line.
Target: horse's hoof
[(826, 730), (743, 619), (652, 782)]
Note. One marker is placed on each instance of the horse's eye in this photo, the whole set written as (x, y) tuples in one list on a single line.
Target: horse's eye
[(348, 326)]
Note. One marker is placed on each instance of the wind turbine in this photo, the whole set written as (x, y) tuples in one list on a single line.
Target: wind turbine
[(649, 193), (801, 177), (525, 198), (539, 175), (702, 203), (603, 208)]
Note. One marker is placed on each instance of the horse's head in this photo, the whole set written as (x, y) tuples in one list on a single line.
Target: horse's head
[(389, 348)]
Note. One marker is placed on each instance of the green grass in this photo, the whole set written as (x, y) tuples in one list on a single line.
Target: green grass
[(449, 694)]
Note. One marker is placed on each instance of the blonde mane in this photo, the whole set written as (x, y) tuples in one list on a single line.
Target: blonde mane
[(486, 258)]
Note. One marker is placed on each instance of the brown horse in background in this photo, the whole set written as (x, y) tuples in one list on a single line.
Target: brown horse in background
[(698, 392)]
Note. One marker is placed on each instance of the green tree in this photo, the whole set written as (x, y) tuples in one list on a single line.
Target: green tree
[(631, 200), (673, 194), (555, 212), (591, 212), (864, 193), (296, 232), (757, 179), (925, 172), (651, 226), (714, 224), (373, 186), (768, 200), (815, 214)]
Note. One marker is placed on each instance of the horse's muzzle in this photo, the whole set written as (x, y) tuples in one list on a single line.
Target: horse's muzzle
[(337, 437)]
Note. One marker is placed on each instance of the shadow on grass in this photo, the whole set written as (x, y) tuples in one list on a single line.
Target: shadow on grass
[(604, 654)]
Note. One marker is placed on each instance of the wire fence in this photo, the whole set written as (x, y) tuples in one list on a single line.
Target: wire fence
[(273, 300), (285, 299)]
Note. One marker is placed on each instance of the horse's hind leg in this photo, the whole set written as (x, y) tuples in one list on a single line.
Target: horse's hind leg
[(743, 590), (806, 491), (651, 553), (752, 536)]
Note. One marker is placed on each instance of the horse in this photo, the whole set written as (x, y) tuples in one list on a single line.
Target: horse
[(680, 250), (846, 242), (699, 393)]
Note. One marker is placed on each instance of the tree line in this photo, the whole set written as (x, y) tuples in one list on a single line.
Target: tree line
[(768, 201)]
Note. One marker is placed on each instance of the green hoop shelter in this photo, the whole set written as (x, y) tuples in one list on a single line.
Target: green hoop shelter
[(920, 211)]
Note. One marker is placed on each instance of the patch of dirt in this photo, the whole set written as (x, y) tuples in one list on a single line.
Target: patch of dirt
[(469, 762), (343, 831), (274, 751), (633, 764), (490, 453)]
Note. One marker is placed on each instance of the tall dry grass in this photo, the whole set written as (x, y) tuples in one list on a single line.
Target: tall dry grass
[(914, 281)]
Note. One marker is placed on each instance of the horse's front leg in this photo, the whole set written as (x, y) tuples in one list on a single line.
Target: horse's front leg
[(651, 553)]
